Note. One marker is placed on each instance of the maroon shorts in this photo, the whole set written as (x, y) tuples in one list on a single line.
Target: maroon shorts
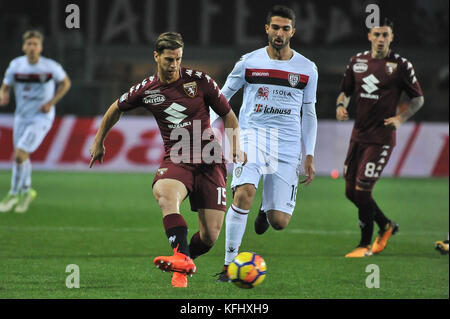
[(365, 162), (206, 183)]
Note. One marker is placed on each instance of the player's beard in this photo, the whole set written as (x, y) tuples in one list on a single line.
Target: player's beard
[(276, 46)]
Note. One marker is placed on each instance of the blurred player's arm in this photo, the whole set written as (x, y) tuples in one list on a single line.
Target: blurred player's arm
[(62, 89), (341, 107), (346, 88), (412, 107), (4, 94), (110, 118)]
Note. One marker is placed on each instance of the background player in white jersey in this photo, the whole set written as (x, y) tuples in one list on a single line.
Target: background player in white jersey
[(276, 116), (34, 79)]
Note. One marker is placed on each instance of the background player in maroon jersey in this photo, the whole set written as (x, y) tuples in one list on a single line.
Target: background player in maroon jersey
[(179, 98), (376, 79)]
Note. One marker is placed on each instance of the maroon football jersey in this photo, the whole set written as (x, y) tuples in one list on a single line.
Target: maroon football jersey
[(376, 85), (183, 106)]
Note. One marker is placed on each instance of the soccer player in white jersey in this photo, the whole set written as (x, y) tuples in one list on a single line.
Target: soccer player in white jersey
[(34, 79), (276, 116)]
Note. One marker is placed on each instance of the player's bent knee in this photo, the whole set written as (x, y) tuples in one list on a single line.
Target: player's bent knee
[(20, 156), (243, 196), (166, 202), (279, 220)]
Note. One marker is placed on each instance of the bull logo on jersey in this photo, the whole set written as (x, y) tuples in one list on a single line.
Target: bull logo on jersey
[(190, 89), (293, 79), (390, 67), (263, 93)]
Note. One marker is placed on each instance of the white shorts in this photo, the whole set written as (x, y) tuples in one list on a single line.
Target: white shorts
[(28, 135), (279, 187)]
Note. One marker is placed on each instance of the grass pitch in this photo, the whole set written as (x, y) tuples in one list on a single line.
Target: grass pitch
[(111, 227)]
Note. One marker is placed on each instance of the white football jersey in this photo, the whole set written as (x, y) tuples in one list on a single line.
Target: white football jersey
[(34, 85), (275, 92)]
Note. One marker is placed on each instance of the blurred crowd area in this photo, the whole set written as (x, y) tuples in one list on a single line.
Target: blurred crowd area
[(113, 48)]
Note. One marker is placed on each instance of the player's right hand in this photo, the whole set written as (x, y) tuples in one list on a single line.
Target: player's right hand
[(97, 151), (240, 156), (341, 113)]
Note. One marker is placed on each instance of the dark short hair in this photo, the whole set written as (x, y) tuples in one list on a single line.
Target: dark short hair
[(386, 22), (281, 11), (33, 34), (168, 40)]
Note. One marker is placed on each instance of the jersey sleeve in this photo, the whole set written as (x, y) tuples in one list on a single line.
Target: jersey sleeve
[(235, 80), (9, 75), (309, 127), (214, 98), (409, 81), (58, 72), (131, 99), (348, 82), (309, 93)]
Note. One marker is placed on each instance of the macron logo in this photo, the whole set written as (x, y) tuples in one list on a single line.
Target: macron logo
[(174, 110), (370, 83), (260, 74)]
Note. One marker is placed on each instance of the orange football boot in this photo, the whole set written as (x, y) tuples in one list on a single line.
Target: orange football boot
[(179, 280), (179, 262), (383, 236), (359, 252)]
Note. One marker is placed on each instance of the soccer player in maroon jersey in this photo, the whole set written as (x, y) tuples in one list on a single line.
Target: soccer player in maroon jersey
[(375, 78), (179, 98)]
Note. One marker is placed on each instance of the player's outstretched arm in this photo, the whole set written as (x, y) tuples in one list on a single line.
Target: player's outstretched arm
[(414, 105), (231, 125), (341, 107), (4, 94), (110, 118)]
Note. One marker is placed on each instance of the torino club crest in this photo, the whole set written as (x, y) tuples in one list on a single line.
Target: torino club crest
[(190, 89), (293, 79)]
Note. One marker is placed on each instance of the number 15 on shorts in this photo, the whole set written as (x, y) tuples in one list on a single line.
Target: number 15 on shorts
[(221, 196)]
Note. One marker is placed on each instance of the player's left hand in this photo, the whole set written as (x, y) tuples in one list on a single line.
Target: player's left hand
[(97, 151), (46, 107), (309, 170), (394, 122)]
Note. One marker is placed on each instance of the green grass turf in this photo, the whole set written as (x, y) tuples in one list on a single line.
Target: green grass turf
[(110, 226)]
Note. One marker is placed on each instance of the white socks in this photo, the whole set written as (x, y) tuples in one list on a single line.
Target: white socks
[(235, 223), (21, 177), (27, 182)]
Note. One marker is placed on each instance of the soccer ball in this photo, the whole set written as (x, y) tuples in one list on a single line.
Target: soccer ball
[(247, 270)]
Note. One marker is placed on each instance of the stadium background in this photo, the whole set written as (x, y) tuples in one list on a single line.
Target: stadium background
[(110, 225), (112, 50)]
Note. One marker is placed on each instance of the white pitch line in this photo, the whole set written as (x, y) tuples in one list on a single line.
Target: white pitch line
[(73, 228), (355, 232), (145, 230)]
